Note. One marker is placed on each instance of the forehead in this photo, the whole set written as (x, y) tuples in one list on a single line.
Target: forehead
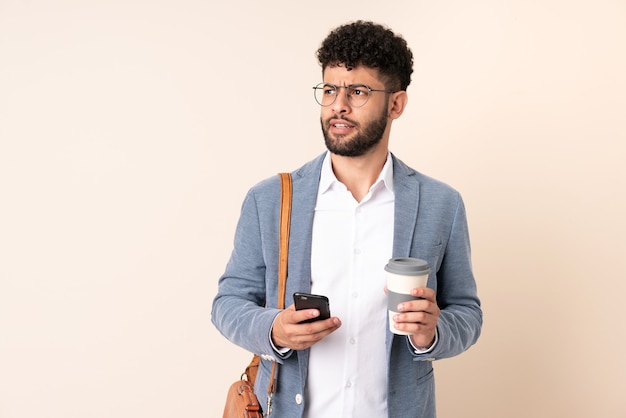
[(342, 76)]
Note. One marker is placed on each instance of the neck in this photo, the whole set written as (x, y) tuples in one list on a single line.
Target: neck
[(359, 173)]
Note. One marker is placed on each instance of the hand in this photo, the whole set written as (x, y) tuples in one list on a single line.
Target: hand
[(287, 331), (419, 317)]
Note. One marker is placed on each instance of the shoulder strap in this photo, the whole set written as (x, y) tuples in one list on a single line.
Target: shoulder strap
[(283, 251), (285, 223)]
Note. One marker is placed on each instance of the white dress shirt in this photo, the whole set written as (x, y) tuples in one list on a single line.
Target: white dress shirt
[(352, 243)]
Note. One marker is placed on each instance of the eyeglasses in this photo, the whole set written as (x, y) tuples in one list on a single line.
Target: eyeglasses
[(356, 94)]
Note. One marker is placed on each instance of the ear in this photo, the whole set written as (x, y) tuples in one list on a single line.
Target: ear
[(397, 103)]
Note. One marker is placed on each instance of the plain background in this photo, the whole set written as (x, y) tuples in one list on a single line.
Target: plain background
[(130, 131)]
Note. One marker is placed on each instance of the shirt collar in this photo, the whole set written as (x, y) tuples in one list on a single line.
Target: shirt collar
[(329, 181)]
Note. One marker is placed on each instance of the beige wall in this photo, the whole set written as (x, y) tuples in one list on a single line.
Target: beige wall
[(130, 131)]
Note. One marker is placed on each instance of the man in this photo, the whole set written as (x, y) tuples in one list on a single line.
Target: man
[(354, 207)]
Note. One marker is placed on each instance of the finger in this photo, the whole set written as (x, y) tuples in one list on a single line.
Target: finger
[(322, 326), (422, 318), (310, 333), (295, 317), (414, 328), (418, 305), (424, 293), (305, 315)]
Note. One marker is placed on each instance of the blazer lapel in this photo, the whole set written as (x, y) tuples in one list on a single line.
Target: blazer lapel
[(406, 190), (305, 184)]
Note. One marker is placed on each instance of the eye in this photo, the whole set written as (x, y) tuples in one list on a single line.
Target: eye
[(359, 90), (329, 90)]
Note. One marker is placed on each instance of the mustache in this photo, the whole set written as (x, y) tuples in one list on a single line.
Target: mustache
[(350, 121)]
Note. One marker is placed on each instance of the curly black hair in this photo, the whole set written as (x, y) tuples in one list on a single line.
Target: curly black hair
[(372, 45)]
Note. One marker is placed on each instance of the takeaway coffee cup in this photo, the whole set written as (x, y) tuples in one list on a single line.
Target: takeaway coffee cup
[(403, 274)]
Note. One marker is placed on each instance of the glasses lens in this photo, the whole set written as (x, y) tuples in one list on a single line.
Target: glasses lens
[(325, 94), (358, 94)]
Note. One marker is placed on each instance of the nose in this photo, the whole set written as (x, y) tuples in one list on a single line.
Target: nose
[(341, 104)]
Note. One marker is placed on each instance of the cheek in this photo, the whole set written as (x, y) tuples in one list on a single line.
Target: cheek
[(326, 114), (326, 110)]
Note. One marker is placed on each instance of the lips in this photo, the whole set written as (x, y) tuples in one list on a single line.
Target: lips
[(340, 124)]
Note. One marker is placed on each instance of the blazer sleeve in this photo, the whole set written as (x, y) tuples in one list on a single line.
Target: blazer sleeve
[(238, 310), (460, 320)]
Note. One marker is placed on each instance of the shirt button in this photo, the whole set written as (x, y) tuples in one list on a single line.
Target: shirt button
[(352, 341), (348, 384), (298, 399), (357, 251)]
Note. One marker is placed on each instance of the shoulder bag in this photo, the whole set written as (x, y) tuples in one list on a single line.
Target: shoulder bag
[(241, 402)]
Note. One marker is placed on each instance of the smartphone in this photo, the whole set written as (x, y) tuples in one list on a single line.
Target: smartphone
[(309, 301)]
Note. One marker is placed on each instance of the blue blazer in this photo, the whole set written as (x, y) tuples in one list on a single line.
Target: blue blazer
[(430, 224)]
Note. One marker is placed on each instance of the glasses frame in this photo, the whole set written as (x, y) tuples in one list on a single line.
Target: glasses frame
[(349, 87)]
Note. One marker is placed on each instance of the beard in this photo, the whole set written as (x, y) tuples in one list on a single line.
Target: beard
[(370, 135)]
